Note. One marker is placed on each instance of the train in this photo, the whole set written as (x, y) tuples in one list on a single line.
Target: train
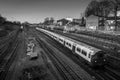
[(91, 55)]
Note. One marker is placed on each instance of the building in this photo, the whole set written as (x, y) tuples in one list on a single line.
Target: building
[(62, 22), (110, 22), (77, 21), (112, 14), (69, 19), (92, 22)]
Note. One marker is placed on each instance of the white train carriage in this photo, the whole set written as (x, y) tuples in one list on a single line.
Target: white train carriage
[(61, 40), (94, 56), (68, 43), (84, 52)]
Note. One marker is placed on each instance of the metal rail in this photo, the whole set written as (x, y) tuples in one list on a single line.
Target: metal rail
[(7, 63), (96, 73), (67, 72)]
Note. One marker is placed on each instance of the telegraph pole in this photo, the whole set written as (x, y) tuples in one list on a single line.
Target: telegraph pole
[(116, 9)]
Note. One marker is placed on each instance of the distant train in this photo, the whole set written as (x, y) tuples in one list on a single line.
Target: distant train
[(93, 56)]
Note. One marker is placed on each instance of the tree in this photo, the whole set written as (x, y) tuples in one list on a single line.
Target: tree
[(99, 8), (46, 21), (2, 19), (92, 8), (49, 21), (52, 20), (102, 8), (105, 7)]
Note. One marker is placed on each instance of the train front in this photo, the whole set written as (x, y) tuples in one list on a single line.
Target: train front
[(99, 59)]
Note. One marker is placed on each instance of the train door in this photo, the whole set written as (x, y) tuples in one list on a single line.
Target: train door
[(64, 43), (73, 49)]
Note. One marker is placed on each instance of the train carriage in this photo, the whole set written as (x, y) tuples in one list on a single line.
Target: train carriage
[(68, 43), (61, 40)]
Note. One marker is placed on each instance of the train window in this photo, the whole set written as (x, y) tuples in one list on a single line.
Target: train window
[(61, 40), (69, 44), (78, 49), (84, 52)]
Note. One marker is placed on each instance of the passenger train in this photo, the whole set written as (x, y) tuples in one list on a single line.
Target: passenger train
[(93, 56)]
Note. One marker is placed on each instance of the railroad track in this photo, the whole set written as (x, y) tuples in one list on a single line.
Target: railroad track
[(7, 56), (98, 74), (102, 35), (8, 37), (108, 37), (112, 72), (105, 47), (93, 42), (111, 42), (5, 49), (3, 45), (108, 48), (6, 63), (67, 72)]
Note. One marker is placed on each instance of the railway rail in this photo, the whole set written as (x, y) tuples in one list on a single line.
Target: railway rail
[(113, 54), (68, 72), (115, 38), (98, 74), (7, 61), (93, 42), (7, 46), (8, 37), (108, 37), (7, 56)]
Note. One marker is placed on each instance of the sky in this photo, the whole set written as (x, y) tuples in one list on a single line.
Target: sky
[(35, 11)]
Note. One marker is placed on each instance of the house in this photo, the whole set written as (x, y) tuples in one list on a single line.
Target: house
[(72, 26), (80, 21), (92, 22), (77, 21), (62, 22)]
